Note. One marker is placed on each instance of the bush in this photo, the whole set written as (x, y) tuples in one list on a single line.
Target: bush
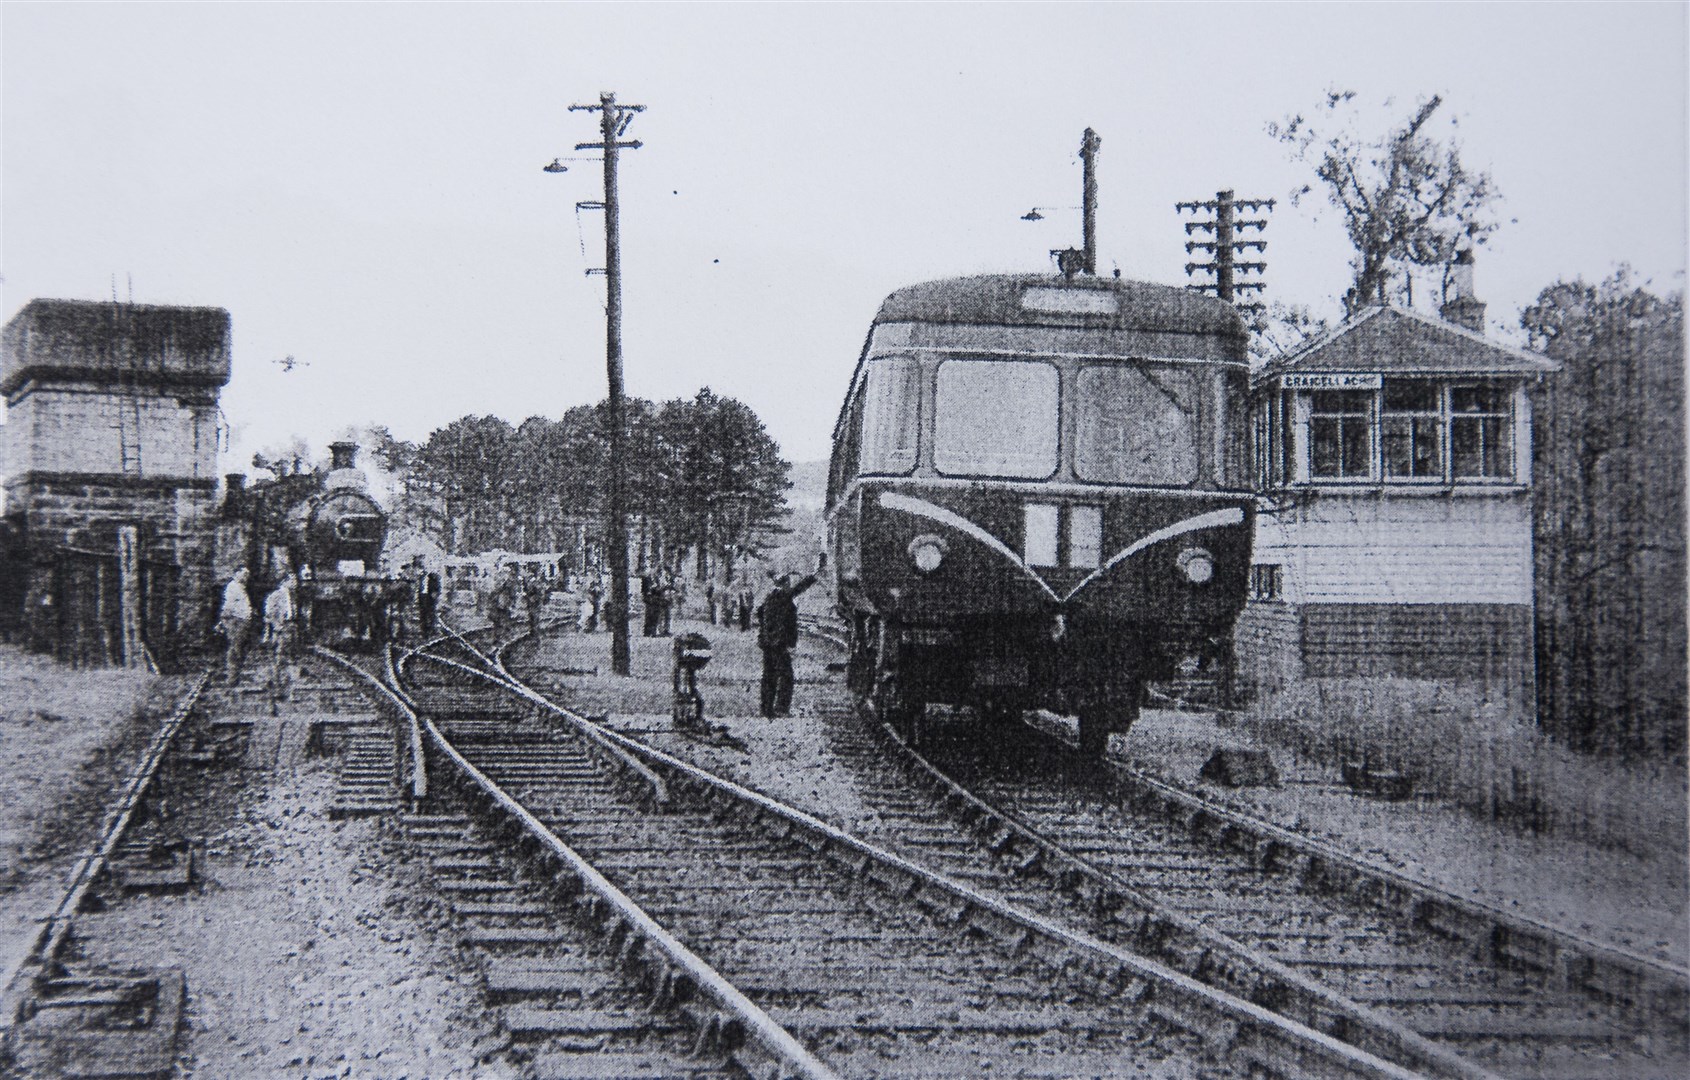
[(1479, 754)]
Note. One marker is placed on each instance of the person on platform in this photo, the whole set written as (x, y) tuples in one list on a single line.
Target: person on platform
[(233, 618), (533, 599), (278, 636), (428, 602), (595, 602), (667, 597), (651, 603), (777, 636), (746, 606), (501, 605)]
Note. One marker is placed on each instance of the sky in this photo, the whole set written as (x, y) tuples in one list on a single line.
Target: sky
[(361, 185)]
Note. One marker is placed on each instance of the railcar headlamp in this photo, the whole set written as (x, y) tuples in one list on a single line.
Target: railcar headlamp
[(927, 552), (1197, 565)]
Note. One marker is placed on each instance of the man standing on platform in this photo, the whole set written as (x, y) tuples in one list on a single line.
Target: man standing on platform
[(278, 634), (232, 621), (777, 636)]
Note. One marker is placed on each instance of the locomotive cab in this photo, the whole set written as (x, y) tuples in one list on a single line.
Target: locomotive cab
[(1037, 496)]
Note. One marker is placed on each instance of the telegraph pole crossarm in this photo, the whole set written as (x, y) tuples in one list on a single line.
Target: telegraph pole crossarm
[(1224, 247)]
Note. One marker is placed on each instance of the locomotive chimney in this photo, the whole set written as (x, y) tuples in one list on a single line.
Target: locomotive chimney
[(343, 455), (234, 494), (1463, 308)]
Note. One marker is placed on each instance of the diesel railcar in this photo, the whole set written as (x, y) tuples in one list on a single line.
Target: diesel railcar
[(1038, 497)]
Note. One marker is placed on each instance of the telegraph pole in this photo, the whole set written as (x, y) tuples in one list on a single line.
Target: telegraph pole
[(613, 121), (1224, 248)]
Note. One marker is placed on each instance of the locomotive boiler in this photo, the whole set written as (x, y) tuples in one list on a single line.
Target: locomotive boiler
[(1037, 497)]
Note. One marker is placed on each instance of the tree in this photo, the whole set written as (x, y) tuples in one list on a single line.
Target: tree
[(465, 468), (1610, 505), (1280, 328), (1406, 198)]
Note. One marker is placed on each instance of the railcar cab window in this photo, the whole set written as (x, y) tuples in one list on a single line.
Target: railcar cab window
[(1136, 425), (1340, 423), (891, 403), (996, 418)]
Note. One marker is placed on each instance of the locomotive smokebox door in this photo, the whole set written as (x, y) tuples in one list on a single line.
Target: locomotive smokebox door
[(692, 652)]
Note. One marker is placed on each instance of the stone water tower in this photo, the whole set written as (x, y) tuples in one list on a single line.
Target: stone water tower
[(109, 458)]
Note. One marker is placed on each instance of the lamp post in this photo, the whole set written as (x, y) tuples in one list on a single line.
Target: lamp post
[(1082, 259)]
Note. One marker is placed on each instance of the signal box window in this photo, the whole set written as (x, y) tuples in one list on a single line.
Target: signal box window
[(891, 401), (1481, 433), (1411, 428), (996, 418), (1135, 426), (1340, 434)]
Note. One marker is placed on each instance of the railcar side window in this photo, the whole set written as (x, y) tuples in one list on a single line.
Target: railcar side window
[(891, 403), (1339, 431), (1136, 425), (996, 418), (1481, 433)]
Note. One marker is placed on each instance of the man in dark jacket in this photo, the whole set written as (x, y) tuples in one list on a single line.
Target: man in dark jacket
[(777, 636)]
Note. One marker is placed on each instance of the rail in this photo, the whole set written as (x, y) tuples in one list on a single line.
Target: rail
[(407, 727), (757, 1024), (55, 931), (1283, 1045), (593, 733), (1578, 961)]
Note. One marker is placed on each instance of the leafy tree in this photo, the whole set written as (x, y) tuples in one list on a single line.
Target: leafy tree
[(1610, 507), (1281, 328), (702, 476), (465, 468), (1406, 198)]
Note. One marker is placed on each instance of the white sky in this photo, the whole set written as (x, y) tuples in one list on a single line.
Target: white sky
[(360, 185)]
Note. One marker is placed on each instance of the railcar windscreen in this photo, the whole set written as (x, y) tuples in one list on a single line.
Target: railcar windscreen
[(891, 403), (996, 418), (1136, 425)]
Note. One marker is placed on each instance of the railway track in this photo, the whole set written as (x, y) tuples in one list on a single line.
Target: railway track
[(1288, 922), (95, 1016), (864, 960)]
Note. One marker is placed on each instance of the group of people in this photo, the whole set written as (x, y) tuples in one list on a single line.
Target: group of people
[(776, 617), (518, 595), (279, 633), (659, 593)]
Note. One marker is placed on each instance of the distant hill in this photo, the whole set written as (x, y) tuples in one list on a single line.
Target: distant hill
[(809, 485)]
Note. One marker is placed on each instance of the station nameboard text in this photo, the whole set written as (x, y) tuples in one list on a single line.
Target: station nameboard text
[(1331, 380)]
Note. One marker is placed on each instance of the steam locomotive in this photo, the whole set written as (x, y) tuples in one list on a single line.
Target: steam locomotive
[(1037, 497), (330, 539)]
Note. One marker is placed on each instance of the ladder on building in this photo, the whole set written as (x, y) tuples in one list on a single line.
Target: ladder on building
[(128, 402)]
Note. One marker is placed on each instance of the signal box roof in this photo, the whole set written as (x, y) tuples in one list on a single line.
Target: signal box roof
[(1052, 300), (93, 341), (1399, 341)]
